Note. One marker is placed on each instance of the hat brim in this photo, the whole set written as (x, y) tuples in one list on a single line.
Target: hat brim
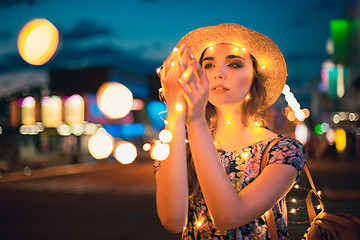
[(272, 64)]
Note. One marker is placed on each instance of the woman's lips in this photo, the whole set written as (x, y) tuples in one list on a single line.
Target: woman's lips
[(219, 89)]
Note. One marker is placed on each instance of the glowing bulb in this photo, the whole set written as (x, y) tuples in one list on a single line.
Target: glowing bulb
[(211, 48), (172, 64), (158, 70), (247, 97), (198, 223), (160, 151), (244, 49), (165, 136), (293, 200), (146, 147), (263, 67), (318, 193), (176, 49), (179, 107), (293, 210), (185, 75), (318, 206), (257, 124), (296, 186), (186, 141), (286, 89), (228, 122), (166, 122)]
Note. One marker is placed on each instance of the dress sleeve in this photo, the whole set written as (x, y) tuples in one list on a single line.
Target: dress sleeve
[(288, 151)]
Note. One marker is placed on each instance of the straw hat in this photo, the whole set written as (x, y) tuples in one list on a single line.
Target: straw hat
[(272, 64)]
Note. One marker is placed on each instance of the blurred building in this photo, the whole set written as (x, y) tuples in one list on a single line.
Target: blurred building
[(50, 123), (335, 102)]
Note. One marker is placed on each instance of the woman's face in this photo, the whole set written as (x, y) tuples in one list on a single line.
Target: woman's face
[(230, 73)]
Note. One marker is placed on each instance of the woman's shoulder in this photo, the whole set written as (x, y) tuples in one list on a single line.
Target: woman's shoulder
[(288, 151)]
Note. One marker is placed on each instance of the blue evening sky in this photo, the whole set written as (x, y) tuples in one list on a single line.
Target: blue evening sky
[(138, 35)]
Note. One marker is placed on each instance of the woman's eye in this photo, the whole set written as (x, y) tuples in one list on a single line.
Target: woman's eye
[(208, 65), (234, 65)]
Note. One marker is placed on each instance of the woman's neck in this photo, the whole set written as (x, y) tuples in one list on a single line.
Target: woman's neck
[(228, 121)]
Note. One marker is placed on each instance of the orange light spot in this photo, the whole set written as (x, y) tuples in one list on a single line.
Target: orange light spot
[(38, 41)]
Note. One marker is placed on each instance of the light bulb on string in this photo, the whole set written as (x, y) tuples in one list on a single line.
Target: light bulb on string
[(165, 136)]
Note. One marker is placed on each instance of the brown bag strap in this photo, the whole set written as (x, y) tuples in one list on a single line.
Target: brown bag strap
[(309, 204), (269, 216), (310, 207), (266, 152)]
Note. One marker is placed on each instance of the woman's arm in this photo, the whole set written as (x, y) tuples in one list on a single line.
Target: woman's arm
[(171, 179), (228, 208)]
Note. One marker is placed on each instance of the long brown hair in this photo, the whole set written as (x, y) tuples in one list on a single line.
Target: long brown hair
[(251, 111)]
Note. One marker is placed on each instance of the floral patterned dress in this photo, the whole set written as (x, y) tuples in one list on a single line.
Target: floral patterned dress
[(243, 167)]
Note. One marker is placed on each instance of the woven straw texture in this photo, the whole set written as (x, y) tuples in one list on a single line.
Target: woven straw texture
[(272, 64)]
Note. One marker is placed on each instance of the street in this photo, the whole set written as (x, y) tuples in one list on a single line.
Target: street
[(114, 201)]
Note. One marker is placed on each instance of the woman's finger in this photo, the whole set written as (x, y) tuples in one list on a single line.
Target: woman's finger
[(186, 76), (186, 92), (200, 74)]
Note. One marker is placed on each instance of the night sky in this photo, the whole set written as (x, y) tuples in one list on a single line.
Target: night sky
[(138, 35)]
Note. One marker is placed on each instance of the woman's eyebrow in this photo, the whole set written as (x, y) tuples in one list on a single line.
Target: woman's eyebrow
[(234, 56), (208, 58), (227, 57)]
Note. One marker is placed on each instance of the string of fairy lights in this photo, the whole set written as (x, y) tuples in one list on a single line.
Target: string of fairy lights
[(101, 144), (160, 149)]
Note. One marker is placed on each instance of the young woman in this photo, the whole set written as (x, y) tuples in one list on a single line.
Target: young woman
[(217, 83)]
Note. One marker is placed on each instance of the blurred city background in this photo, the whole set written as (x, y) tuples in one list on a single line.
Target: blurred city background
[(81, 120)]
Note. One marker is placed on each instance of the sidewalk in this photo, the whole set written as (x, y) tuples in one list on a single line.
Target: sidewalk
[(336, 180)]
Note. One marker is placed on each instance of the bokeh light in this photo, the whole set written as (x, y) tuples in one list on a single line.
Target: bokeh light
[(147, 147), (160, 151), (330, 136), (74, 109), (28, 111), (114, 99), (51, 113), (165, 136), (101, 144), (317, 129), (302, 133), (125, 152), (64, 130), (38, 41), (340, 140)]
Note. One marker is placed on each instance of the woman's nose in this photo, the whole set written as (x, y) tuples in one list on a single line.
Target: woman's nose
[(220, 72)]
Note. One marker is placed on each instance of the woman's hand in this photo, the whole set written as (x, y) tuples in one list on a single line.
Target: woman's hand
[(195, 88), (169, 74)]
